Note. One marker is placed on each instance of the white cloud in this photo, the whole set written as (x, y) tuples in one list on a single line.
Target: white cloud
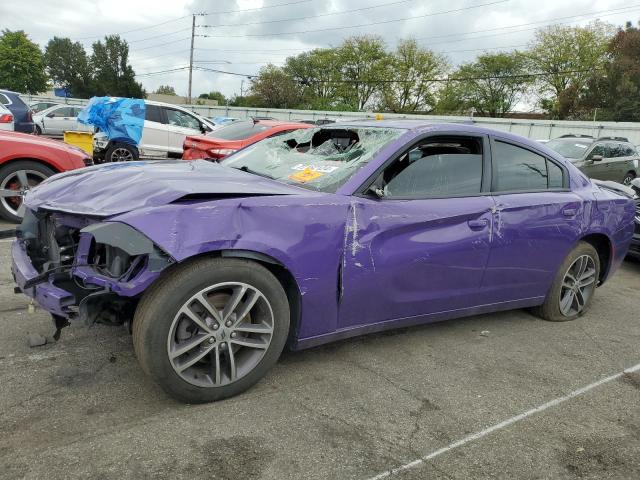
[(166, 46)]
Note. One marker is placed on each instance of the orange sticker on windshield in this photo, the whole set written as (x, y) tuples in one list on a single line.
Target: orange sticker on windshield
[(305, 175)]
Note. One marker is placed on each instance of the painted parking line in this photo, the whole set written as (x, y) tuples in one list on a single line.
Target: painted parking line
[(499, 426)]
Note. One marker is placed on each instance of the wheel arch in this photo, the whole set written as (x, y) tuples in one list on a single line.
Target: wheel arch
[(282, 274), (604, 247), (40, 161)]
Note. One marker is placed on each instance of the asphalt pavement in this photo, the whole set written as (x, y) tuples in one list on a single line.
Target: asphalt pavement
[(494, 396)]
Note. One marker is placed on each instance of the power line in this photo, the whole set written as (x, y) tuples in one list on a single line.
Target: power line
[(397, 2), (161, 72), (613, 11), (159, 36), (135, 29), (415, 17), (204, 14), (160, 44)]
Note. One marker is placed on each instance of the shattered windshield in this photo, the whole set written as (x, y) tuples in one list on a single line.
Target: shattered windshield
[(317, 158)]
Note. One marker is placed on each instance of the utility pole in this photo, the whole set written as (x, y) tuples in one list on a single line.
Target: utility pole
[(193, 35)]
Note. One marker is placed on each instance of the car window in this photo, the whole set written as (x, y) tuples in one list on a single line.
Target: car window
[(181, 119), (238, 130), (615, 149), (63, 112), (572, 149), (4, 99), (442, 167), (153, 113), (76, 111), (599, 149), (518, 169), (629, 151)]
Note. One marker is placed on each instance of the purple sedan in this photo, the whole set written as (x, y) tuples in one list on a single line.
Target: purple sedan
[(313, 236)]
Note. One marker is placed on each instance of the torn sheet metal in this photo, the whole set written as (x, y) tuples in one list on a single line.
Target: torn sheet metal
[(122, 119)]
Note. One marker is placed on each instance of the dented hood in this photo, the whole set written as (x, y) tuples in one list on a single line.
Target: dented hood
[(116, 188)]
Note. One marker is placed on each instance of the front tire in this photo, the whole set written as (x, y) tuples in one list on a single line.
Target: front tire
[(211, 328), (573, 289), (121, 152), (16, 179)]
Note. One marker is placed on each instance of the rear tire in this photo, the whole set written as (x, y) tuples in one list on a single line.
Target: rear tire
[(12, 176), (121, 152), (226, 346), (572, 291), (628, 178)]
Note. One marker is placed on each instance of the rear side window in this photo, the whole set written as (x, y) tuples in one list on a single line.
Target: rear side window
[(238, 130), (4, 100), (446, 167), (153, 113), (518, 169)]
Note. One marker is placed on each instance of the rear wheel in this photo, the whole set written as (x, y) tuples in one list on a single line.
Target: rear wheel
[(211, 329), (628, 178), (121, 152), (573, 289), (16, 179)]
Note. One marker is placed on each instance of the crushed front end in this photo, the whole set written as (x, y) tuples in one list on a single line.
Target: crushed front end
[(79, 267)]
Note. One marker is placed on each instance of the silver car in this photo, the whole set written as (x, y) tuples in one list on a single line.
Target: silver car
[(56, 120)]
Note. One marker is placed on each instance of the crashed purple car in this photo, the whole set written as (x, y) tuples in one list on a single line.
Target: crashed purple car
[(314, 236)]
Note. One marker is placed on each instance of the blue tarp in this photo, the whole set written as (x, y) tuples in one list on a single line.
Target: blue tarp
[(122, 119)]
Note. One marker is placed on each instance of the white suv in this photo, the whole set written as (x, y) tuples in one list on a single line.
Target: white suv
[(164, 131)]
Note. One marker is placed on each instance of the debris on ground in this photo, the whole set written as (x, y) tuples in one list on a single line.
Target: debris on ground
[(484, 333), (36, 340)]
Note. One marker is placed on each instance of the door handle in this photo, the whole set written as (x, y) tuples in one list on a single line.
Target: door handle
[(478, 224), (569, 212)]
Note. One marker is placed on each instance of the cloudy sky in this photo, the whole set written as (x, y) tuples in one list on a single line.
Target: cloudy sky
[(242, 35)]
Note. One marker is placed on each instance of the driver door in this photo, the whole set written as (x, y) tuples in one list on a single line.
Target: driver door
[(422, 246)]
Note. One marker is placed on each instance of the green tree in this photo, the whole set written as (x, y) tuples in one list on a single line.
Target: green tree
[(68, 66), (215, 95), (415, 68), (318, 74), (111, 70), (616, 92), (21, 64), (569, 57), (275, 89), (166, 90), (492, 85), (364, 65)]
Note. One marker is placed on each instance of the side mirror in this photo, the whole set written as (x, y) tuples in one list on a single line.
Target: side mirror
[(376, 190), (597, 158)]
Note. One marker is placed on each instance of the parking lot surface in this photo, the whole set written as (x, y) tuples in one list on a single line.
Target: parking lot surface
[(82, 408)]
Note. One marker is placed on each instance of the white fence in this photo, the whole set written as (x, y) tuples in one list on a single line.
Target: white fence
[(536, 129)]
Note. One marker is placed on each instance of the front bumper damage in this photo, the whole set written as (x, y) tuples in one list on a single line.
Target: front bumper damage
[(78, 268)]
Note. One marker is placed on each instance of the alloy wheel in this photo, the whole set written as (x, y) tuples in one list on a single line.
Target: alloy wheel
[(121, 155), (15, 186), (578, 285), (220, 334)]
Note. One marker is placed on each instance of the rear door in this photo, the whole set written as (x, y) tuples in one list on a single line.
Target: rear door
[(155, 135), (180, 124), (536, 222)]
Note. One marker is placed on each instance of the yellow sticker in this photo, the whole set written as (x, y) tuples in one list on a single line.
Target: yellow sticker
[(305, 175)]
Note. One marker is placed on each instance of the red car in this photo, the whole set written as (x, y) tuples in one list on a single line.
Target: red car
[(230, 138), (25, 161)]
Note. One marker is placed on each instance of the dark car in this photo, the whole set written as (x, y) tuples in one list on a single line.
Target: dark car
[(22, 116), (604, 158), (313, 236)]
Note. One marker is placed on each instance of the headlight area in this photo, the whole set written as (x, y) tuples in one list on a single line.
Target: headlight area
[(115, 263)]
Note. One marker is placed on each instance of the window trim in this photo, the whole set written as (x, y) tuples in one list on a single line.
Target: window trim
[(362, 191), (565, 173)]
